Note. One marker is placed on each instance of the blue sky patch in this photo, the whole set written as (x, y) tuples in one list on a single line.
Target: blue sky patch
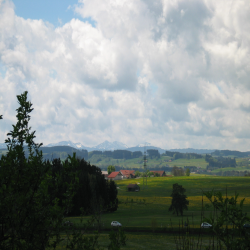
[(53, 74), (56, 12), (153, 87), (90, 21)]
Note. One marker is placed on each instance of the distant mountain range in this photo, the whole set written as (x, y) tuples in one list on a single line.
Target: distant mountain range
[(77, 145), (111, 146), (107, 146)]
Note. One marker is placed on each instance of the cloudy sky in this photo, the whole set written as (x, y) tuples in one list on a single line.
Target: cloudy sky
[(174, 73)]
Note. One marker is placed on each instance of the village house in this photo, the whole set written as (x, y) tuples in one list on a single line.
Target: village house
[(127, 174), (133, 187), (115, 176)]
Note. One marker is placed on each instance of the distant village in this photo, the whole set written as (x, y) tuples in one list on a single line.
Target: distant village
[(129, 174)]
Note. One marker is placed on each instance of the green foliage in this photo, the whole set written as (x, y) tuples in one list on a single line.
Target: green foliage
[(62, 152), (187, 172), (229, 153), (228, 220), (154, 174), (153, 153), (219, 162), (177, 171), (77, 239), (138, 173), (35, 195), (111, 169), (147, 173), (94, 192), (96, 153), (122, 154), (178, 155), (29, 215), (179, 200), (117, 239), (154, 224)]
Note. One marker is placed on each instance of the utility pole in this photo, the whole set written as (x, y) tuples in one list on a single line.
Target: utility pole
[(145, 166)]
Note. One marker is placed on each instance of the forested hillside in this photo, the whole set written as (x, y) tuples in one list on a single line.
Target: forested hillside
[(219, 162)]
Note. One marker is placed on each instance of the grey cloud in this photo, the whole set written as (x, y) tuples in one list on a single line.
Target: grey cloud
[(181, 92)]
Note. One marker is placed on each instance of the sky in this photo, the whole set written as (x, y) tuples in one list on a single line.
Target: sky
[(174, 73)]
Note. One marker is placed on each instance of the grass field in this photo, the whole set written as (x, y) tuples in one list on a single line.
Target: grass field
[(157, 199), (163, 161), (151, 163), (148, 241)]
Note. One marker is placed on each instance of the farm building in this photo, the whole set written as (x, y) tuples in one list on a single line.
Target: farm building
[(115, 176), (127, 174), (133, 187)]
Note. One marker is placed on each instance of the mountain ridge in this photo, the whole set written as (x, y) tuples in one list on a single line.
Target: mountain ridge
[(115, 145)]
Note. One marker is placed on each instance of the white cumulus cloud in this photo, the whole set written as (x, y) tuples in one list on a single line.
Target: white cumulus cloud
[(174, 73)]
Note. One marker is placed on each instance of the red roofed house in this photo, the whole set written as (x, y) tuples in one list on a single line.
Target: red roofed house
[(127, 174), (161, 173), (115, 176)]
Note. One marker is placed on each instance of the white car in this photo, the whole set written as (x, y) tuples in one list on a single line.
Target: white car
[(116, 224), (68, 223), (205, 225)]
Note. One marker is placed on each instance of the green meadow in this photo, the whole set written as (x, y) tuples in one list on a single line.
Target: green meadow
[(151, 203), (148, 241), (136, 163), (148, 208), (163, 161)]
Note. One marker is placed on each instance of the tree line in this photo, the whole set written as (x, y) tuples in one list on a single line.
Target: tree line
[(93, 189), (219, 162), (235, 153), (124, 154), (177, 155)]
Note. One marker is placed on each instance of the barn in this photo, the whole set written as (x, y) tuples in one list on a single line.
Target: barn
[(133, 187)]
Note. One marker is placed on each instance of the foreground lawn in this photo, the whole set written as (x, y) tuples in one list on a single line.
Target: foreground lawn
[(148, 241)]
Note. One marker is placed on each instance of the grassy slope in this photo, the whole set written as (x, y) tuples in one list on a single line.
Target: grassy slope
[(151, 163), (243, 163)]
